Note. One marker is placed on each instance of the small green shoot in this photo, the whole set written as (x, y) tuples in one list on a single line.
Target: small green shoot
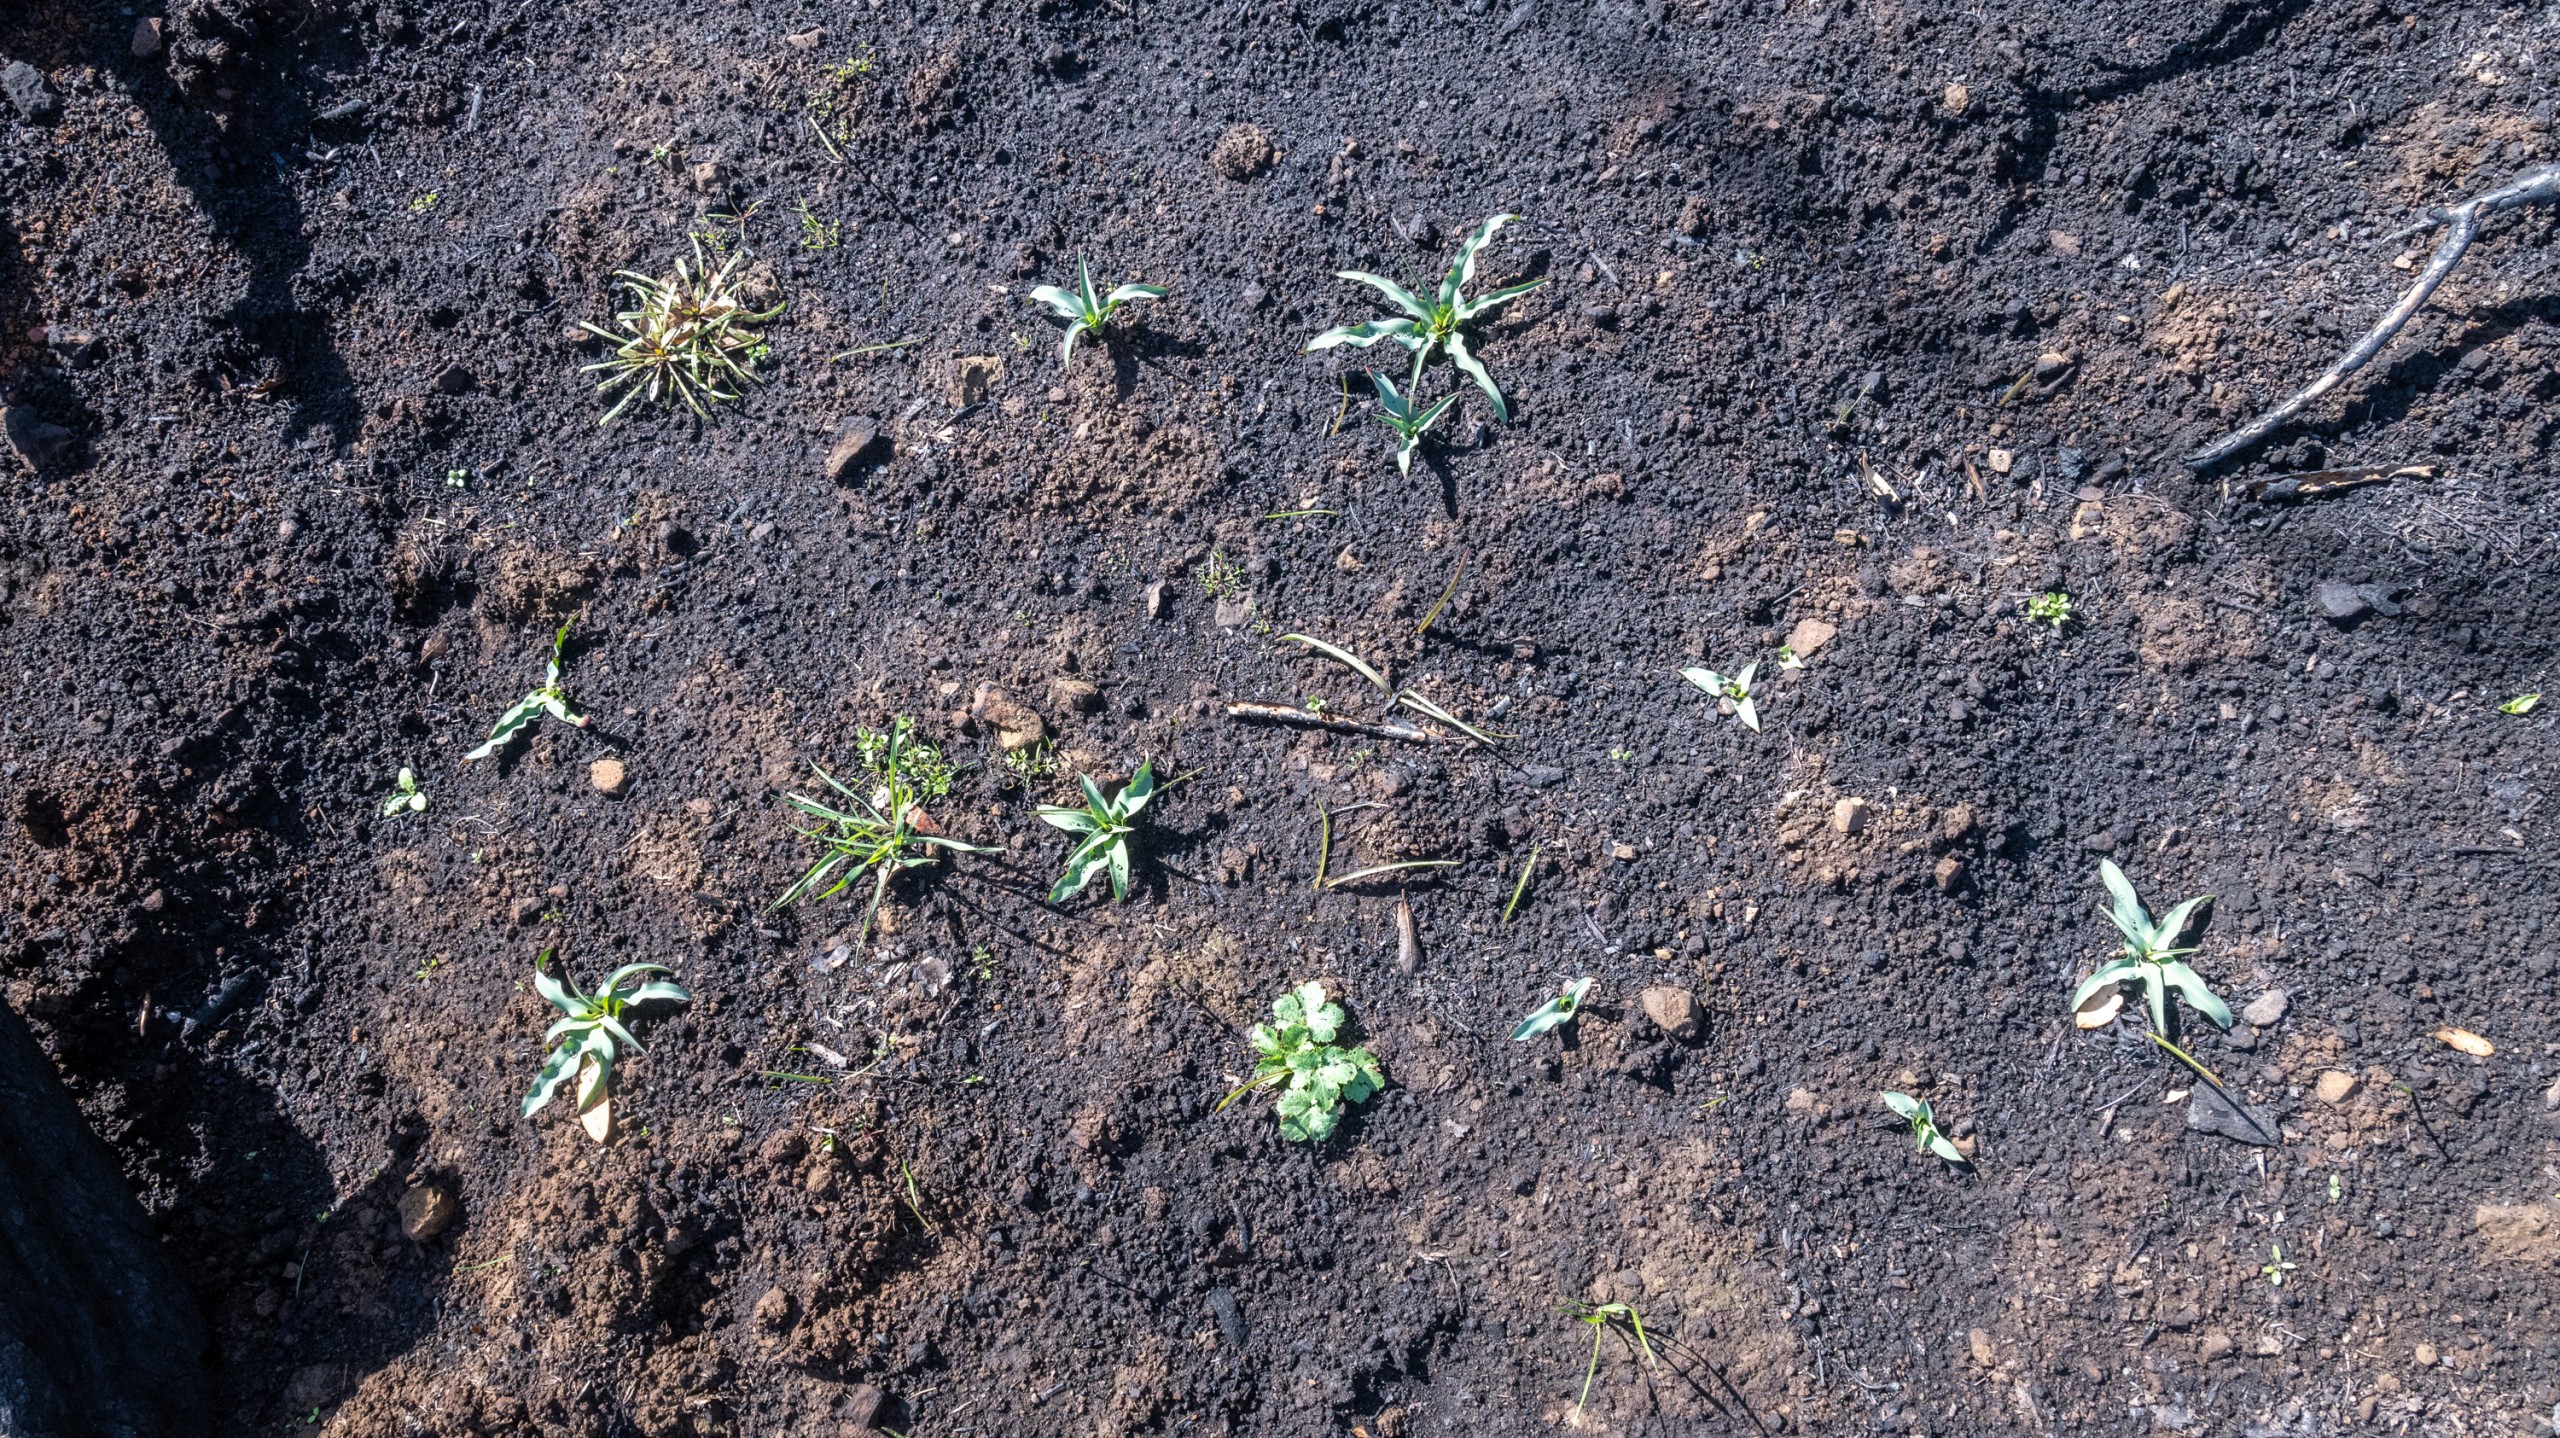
[(1033, 761), (2520, 705), (815, 233), (2276, 1266), (1789, 662), (1555, 1013), (1438, 326), (1733, 696), (406, 797), (2147, 958), (594, 1029), (1316, 1078), (1397, 412), (1520, 890), (2337, 1189), (1219, 576), (550, 699), (425, 202), (884, 831), (1086, 312), (2051, 607), (685, 338), (1925, 1136), (1602, 1317), (1106, 825)]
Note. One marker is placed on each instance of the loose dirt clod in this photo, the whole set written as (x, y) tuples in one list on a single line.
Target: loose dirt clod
[(608, 776), (427, 1210)]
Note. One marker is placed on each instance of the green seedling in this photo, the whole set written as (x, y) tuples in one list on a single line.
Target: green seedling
[(883, 831), (1035, 761), (1106, 825), (1602, 1317), (2051, 607), (596, 1028), (1925, 1136), (424, 203), (1397, 412), (1296, 1053), (1439, 326), (550, 699), (1733, 696), (1086, 312), (815, 233), (1520, 890), (406, 797), (2520, 705), (2148, 959), (1555, 1013), (2276, 1267), (686, 339), (1219, 576)]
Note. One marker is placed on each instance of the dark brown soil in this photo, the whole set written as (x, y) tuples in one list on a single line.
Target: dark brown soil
[(304, 472)]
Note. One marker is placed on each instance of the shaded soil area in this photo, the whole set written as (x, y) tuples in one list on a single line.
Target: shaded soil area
[(1865, 325)]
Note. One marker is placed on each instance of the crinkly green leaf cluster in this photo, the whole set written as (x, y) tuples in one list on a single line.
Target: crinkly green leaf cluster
[(1085, 311), (596, 1027), (550, 699), (2148, 960), (1924, 1127), (1296, 1053), (1106, 825)]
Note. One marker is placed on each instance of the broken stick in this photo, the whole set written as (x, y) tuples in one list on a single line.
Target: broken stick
[(1309, 719), (2462, 226)]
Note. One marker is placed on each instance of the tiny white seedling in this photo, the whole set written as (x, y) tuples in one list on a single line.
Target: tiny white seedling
[(406, 798), (1733, 696)]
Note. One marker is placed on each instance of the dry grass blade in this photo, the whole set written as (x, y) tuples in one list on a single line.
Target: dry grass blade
[(1520, 890), (1336, 651), (1309, 719), (1408, 937), (1396, 868), (1446, 592), (1424, 707)]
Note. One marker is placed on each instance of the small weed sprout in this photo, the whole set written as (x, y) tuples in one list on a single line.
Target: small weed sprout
[(550, 699), (686, 339), (1925, 1136), (1556, 1012), (1317, 1078), (1086, 312), (2051, 607), (1602, 1317), (1033, 762), (2148, 960), (2276, 1266), (2520, 705), (1438, 326), (1733, 696), (883, 831), (596, 1028), (1106, 825), (1219, 576), (406, 797), (1397, 412), (425, 202), (815, 233)]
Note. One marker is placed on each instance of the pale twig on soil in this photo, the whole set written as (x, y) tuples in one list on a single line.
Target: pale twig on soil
[(2462, 226), (1309, 719)]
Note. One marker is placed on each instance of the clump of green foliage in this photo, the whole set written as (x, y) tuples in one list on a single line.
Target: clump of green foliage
[(1924, 1127), (1034, 761), (1556, 1012), (1086, 312), (2148, 960), (2051, 607), (685, 339), (1436, 326), (550, 699), (1733, 695), (883, 831), (1106, 825), (406, 797), (1397, 412), (1219, 576), (1317, 1079), (597, 1027)]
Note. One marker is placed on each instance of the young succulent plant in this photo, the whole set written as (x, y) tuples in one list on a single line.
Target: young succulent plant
[(685, 338), (596, 1031), (2146, 960), (550, 699), (1438, 325), (1555, 1013), (1924, 1128), (1397, 412), (406, 797), (1317, 1079), (1733, 696), (883, 831), (1086, 312), (2051, 607), (1106, 825)]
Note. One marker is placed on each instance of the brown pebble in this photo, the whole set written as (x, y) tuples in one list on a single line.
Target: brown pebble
[(426, 1211), (608, 776)]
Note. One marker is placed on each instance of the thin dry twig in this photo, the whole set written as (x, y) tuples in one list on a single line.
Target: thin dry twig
[(1309, 719), (2462, 226)]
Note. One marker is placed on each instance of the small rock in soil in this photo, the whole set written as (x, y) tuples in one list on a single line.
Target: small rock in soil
[(2101, 842), (1234, 610), (1544, 776), (1980, 1342), (854, 440), (1243, 152), (2209, 1112), (524, 911), (773, 1312), (2267, 1009), (2217, 1344), (1809, 635), (1948, 875), (1079, 695), (147, 37), (24, 85), (1154, 600), (2334, 1087), (453, 379), (2340, 601), (1231, 1326), (425, 1211), (1674, 1010), (1849, 816), (38, 441), (1017, 727), (861, 1407)]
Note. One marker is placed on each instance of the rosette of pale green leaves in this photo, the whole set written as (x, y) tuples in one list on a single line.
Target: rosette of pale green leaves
[(1106, 825), (1734, 692), (1085, 311), (1437, 325), (2147, 958), (596, 1028), (1296, 1053), (686, 339)]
